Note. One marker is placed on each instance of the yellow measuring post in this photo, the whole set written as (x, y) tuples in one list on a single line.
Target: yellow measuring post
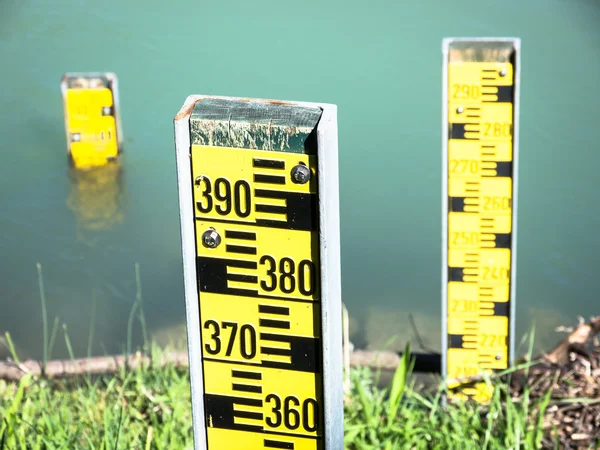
[(480, 137), (92, 120), (259, 212)]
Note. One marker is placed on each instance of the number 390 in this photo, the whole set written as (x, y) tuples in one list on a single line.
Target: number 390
[(223, 198)]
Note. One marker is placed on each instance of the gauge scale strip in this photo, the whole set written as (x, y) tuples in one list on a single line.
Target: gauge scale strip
[(479, 218), (259, 298)]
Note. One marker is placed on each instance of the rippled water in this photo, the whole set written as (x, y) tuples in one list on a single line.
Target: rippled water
[(380, 62)]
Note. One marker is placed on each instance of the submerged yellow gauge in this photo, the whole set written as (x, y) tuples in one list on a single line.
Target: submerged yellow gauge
[(91, 118), (479, 251)]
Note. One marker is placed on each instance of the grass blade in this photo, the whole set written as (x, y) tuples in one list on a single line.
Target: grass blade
[(398, 384), (138, 299), (53, 336), (11, 411), (149, 437), (130, 326), (44, 316), (3, 441), (11, 348), (536, 433), (119, 428), (68, 342), (366, 406), (92, 323)]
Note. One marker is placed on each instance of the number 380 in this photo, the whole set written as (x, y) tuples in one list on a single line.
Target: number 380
[(283, 275)]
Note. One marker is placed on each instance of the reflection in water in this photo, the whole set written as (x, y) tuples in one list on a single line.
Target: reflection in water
[(391, 328), (97, 198)]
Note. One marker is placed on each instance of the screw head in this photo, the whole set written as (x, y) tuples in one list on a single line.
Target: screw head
[(498, 357), (76, 137), (460, 110), (106, 111), (300, 174), (198, 180), (211, 238), (502, 73)]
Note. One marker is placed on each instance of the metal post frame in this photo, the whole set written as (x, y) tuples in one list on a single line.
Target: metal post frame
[(216, 116), (483, 62)]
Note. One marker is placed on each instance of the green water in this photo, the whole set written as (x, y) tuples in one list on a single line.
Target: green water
[(380, 62)]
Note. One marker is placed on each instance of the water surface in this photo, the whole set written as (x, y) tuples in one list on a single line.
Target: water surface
[(379, 61)]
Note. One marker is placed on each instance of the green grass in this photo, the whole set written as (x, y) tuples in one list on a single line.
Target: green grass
[(133, 409), (400, 417), (149, 408)]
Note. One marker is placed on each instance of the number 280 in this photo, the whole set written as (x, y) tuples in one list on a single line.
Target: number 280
[(497, 129)]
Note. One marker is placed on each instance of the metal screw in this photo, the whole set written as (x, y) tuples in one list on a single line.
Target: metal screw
[(300, 174), (76, 137), (498, 357), (106, 111), (460, 110), (198, 180), (502, 73), (211, 238)]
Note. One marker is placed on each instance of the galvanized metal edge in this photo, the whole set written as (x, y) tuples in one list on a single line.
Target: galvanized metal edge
[(446, 43), (445, 50), (513, 262), (331, 299), (188, 245), (63, 92), (113, 85)]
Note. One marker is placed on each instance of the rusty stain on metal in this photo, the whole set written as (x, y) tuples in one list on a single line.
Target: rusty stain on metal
[(185, 110), (241, 123), (500, 52)]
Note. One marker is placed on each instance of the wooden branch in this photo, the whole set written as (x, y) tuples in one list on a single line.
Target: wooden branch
[(385, 360), (375, 359), (11, 371), (578, 339), (105, 365)]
